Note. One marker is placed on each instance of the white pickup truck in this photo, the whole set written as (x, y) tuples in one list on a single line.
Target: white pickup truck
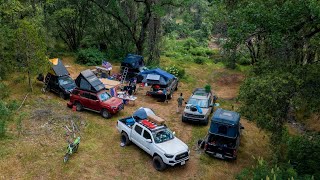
[(157, 140)]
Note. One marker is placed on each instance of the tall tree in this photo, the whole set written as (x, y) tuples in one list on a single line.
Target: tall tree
[(30, 49)]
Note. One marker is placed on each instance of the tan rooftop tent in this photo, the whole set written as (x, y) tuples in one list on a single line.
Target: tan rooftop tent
[(156, 119)]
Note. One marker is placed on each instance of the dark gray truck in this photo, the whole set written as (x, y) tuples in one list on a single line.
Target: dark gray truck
[(223, 138)]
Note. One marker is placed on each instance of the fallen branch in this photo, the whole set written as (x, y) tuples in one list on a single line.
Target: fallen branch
[(23, 101)]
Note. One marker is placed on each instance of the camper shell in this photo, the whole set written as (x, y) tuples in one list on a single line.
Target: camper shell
[(224, 134), (58, 80), (163, 84)]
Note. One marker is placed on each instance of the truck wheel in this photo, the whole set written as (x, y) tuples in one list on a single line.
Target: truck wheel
[(206, 121), (106, 114), (62, 95), (158, 164), (201, 143), (125, 139), (183, 119), (78, 106)]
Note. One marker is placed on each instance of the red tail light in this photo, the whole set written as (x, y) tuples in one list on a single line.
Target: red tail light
[(205, 146)]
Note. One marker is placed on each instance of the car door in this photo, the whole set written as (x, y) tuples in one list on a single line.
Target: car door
[(85, 99), (146, 141), (94, 102), (136, 135)]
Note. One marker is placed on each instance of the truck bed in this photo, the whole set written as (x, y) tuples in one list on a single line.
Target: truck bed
[(221, 147)]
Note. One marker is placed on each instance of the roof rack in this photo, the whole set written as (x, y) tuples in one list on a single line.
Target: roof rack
[(200, 92)]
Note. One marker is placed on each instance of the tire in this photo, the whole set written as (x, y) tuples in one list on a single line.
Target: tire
[(125, 139), (106, 114), (66, 158), (62, 95), (158, 164), (205, 122), (201, 143), (79, 106), (76, 148), (183, 120), (170, 96)]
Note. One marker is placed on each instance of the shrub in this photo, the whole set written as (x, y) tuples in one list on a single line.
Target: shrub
[(90, 57), (4, 91), (4, 115), (304, 154), (177, 71), (190, 43), (199, 60), (199, 51), (263, 171)]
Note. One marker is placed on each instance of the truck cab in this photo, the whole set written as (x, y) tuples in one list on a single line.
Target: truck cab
[(155, 139), (223, 138)]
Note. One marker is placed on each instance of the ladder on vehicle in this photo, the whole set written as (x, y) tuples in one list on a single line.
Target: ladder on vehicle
[(46, 82), (124, 74)]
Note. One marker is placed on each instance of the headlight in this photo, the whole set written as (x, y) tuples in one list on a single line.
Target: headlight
[(168, 155)]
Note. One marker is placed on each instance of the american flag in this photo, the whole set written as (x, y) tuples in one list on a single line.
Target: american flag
[(106, 64)]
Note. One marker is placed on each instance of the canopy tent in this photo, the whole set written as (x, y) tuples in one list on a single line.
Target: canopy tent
[(156, 76), (225, 123), (58, 68), (89, 81)]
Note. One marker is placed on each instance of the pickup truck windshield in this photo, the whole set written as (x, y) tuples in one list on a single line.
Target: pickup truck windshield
[(203, 103), (162, 136), (104, 96), (64, 81)]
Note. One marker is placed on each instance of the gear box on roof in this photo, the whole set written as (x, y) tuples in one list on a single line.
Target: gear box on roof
[(89, 81)]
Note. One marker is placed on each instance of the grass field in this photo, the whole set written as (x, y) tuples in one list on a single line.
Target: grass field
[(38, 152)]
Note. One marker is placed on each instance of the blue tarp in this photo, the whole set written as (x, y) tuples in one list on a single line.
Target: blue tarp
[(165, 76), (225, 123)]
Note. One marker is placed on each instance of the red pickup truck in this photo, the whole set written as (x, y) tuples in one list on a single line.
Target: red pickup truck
[(100, 102)]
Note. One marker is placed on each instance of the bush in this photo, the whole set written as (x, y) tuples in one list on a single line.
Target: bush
[(190, 43), (4, 91), (4, 116), (90, 57), (263, 171), (304, 154), (199, 51), (244, 60), (199, 60), (177, 71)]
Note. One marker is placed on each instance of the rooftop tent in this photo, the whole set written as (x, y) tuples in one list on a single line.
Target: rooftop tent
[(58, 68), (133, 61), (156, 76), (225, 123), (143, 113), (89, 81)]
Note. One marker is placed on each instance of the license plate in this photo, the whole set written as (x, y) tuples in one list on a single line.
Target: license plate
[(183, 162), (218, 155)]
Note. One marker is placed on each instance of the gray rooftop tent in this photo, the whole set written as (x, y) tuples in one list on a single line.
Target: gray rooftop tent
[(89, 81)]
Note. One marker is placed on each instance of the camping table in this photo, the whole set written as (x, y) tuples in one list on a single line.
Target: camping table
[(122, 95), (108, 83)]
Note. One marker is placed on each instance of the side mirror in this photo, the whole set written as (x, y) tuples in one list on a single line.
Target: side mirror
[(174, 133), (149, 140)]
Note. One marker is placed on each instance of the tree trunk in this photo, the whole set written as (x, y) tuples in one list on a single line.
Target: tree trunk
[(29, 80)]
